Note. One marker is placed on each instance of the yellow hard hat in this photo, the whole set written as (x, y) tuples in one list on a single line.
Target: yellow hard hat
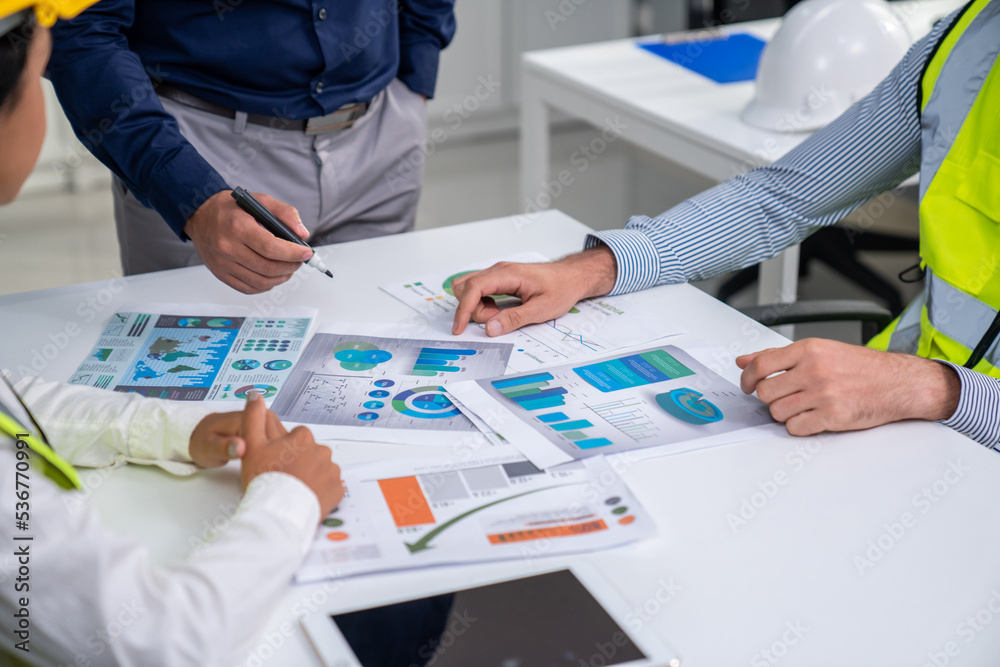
[(47, 12)]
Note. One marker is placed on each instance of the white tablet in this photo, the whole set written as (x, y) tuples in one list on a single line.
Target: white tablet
[(567, 617)]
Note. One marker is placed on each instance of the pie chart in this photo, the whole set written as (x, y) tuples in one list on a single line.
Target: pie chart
[(689, 406), (219, 323), (188, 322), (425, 403)]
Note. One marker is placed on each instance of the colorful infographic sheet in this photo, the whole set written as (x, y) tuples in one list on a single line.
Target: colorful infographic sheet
[(593, 327), (196, 352), (386, 389), (633, 400), (405, 514)]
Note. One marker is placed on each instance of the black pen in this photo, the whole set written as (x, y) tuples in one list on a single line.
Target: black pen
[(271, 223)]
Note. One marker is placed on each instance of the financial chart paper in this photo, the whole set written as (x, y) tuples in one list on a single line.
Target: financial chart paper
[(630, 401), (377, 383), (196, 353)]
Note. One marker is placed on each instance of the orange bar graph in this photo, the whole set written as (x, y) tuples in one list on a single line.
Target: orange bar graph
[(406, 501), (554, 531)]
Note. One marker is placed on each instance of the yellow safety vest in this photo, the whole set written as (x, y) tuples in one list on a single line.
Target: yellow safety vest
[(956, 317), (54, 466)]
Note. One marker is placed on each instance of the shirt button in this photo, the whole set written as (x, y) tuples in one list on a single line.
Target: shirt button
[(318, 87), (322, 14)]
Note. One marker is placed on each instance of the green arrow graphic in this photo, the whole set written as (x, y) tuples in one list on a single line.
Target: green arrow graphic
[(424, 542)]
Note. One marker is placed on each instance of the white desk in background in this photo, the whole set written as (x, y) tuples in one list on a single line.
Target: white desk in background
[(719, 595), (670, 111)]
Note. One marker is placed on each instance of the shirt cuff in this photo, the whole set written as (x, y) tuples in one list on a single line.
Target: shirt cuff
[(181, 186), (287, 498), (418, 66), (635, 255), (159, 434), (978, 412)]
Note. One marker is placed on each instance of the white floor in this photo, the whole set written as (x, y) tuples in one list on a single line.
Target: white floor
[(47, 240)]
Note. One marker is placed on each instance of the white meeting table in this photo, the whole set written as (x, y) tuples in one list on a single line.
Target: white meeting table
[(718, 591)]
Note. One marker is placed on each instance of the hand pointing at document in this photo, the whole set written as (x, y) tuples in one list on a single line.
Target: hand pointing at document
[(547, 290), (240, 252)]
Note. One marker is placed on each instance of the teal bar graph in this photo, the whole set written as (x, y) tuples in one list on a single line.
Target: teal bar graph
[(571, 426), (434, 360), (592, 443), (530, 391), (533, 392), (542, 403)]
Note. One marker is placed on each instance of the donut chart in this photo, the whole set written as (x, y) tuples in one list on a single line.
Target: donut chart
[(425, 403), (689, 406), (446, 286), (265, 390)]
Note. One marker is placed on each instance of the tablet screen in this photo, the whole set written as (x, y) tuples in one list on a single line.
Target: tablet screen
[(549, 620)]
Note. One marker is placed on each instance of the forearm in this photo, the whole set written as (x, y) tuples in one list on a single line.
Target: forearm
[(425, 28), (108, 96), (978, 411), (102, 601), (95, 428), (871, 148)]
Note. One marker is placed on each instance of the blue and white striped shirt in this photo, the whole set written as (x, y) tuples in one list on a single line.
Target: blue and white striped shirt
[(873, 147)]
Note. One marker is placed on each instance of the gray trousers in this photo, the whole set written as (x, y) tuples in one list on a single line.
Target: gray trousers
[(358, 183)]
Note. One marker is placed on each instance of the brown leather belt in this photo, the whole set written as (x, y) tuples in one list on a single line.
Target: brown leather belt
[(341, 119)]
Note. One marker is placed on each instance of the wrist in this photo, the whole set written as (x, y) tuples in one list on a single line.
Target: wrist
[(595, 271), (203, 213), (936, 390)]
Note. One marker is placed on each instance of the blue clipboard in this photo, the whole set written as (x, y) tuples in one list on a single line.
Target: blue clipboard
[(724, 60)]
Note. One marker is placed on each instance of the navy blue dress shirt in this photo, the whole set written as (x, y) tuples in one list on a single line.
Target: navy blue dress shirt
[(288, 58)]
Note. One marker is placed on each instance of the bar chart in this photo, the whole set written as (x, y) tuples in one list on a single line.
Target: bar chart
[(530, 391), (533, 392), (434, 360)]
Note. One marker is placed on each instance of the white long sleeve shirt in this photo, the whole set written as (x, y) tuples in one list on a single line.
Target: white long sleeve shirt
[(94, 597)]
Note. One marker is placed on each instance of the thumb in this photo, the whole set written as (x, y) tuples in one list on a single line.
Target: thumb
[(227, 448), (254, 422), (532, 311), (743, 361), (287, 213)]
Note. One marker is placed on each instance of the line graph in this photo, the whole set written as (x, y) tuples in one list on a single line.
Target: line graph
[(569, 335)]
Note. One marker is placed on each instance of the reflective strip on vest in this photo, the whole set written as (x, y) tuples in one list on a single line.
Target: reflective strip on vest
[(957, 85), (54, 466), (906, 334), (950, 311)]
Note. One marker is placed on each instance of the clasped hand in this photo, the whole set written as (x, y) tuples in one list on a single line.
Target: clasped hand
[(258, 437)]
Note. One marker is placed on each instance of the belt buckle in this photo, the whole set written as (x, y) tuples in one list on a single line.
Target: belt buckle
[(341, 119)]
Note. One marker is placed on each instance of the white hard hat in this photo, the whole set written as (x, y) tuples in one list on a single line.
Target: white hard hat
[(826, 55)]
